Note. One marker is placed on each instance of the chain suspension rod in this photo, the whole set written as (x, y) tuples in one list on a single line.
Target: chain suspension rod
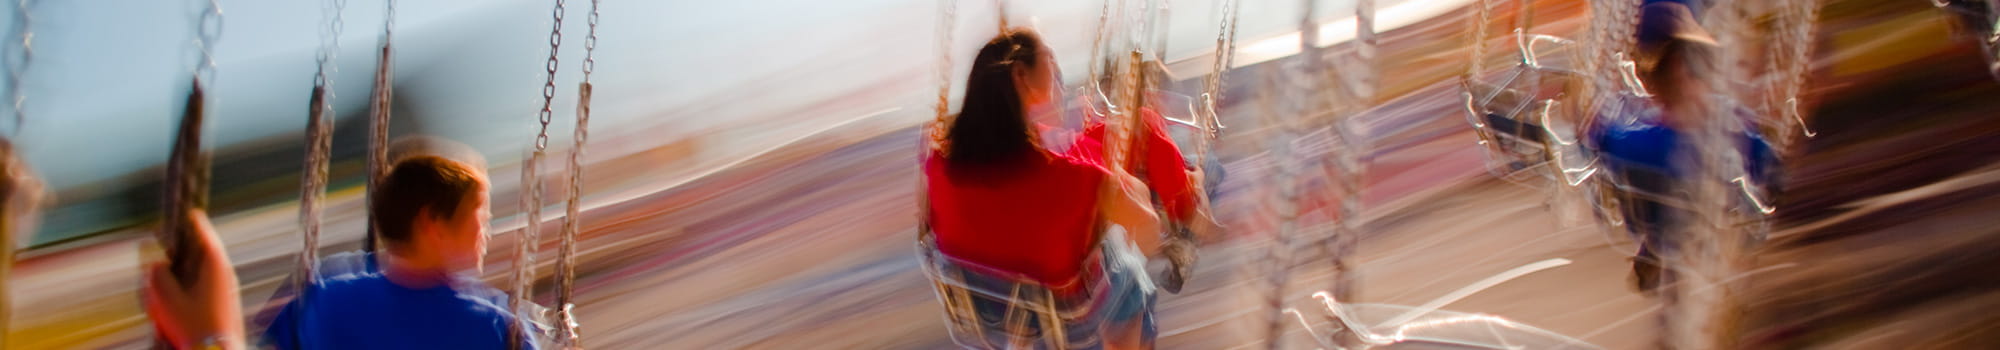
[(19, 56), (187, 176), (187, 168), (568, 335), (531, 183), (1613, 25), (947, 19), (1298, 87), (319, 144), (1803, 19), (1482, 15), (1349, 160), (1211, 96), (379, 109)]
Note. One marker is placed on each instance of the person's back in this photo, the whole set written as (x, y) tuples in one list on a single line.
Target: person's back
[(430, 214), (1034, 216), (367, 311)]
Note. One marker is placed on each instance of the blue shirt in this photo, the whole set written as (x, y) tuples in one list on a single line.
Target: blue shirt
[(364, 310), (1641, 145), (1648, 146)]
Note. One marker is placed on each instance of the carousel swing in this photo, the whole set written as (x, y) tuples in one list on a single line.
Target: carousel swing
[(314, 176), (1024, 302), (566, 332), (1032, 314), (1519, 115), (319, 133)]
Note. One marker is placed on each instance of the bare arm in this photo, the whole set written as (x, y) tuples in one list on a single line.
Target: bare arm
[(1125, 201), (190, 313)]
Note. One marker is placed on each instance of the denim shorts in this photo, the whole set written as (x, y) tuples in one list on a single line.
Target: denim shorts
[(1130, 304)]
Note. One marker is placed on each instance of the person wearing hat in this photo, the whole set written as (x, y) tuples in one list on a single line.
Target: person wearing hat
[(1650, 152)]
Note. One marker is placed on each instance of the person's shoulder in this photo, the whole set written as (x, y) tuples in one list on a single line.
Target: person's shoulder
[(482, 298), (348, 288)]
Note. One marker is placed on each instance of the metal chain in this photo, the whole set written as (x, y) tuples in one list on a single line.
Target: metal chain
[(319, 143), (1803, 17), (329, 42), (1349, 160), (380, 104), (566, 270), (187, 176), (1613, 24), (1704, 259), (16, 60), (1288, 117), (19, 56), (1365, 51), (531, 183), (1211, 95), (528, 243), (208, 29), (1482, 13), (549, 86), (1095, 70), (946, 26)]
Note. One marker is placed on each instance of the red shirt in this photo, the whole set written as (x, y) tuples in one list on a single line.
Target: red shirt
[(1038, 216), (1165, 172), (1037, 219)]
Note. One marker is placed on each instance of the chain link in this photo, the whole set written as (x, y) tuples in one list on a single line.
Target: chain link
[(1803, 19), (528, 243), (18, 57), (572, 220), (547, 113), (531, 183), (1482, 15), (1095, 71), (208, 30), (329, 41), (1225, 54), (319, 144), (379, 112), (946, 26), (1613, 26)]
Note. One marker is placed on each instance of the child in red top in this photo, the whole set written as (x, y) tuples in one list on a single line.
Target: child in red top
[(999, 199)]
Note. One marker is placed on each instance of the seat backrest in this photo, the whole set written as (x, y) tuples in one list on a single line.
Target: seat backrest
[(988, 307)]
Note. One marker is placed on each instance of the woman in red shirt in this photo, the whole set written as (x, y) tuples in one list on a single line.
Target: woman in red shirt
[(999, 199)]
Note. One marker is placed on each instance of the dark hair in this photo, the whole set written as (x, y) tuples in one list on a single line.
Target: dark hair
[(417, 184), (992, 126)]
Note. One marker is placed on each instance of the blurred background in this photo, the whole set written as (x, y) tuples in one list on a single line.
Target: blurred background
[(750, 167)]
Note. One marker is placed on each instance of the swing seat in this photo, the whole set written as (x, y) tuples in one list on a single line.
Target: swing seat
[(992, 308), (1511, 113), (1635, 160), (1179, 112)]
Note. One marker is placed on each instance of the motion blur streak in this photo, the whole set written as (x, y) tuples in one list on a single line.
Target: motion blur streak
[(751, 176)]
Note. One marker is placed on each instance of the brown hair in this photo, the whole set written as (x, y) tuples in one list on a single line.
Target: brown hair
[(417, 184), (992, 126)]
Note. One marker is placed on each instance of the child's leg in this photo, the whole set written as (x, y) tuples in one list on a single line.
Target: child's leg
[(1131, 324)]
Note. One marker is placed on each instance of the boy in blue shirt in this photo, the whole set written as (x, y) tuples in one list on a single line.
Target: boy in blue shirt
[(431, 213), (1650, 152)]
